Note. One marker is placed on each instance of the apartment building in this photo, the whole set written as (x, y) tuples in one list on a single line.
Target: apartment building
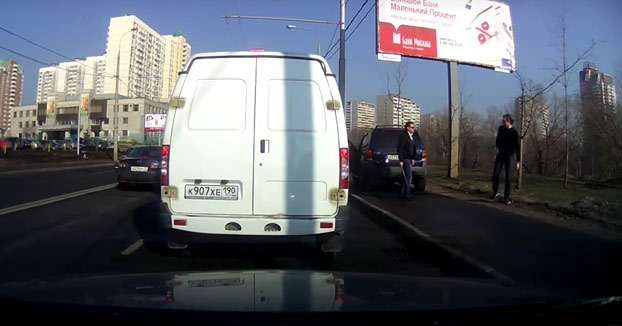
[(11, 88), (395, 110), (360, 114)]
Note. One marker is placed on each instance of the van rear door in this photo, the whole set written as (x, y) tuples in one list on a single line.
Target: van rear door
[(296, 139), (212, 137)]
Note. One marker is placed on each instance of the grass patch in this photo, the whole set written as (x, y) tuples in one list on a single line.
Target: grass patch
[(598, 202)]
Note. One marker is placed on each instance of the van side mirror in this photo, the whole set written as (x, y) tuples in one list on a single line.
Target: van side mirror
[(333, 105)]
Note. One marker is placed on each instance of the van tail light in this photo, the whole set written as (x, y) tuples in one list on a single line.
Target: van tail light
[(166, 149), (344, 168), (424, 154), (368, 155)]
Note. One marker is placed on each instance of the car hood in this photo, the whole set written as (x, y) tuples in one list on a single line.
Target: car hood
[(275, 291)]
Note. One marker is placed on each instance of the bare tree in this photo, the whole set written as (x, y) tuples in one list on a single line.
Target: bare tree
[(530, 93), (400, 77)]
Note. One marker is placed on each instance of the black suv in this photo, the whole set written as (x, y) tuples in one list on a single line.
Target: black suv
[(378, 160)]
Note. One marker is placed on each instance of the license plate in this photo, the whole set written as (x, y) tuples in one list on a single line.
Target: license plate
[(139, 168), (216, 192), (393, 157), (216, 282)]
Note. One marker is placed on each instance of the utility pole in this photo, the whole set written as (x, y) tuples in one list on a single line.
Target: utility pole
[(454, 121), (342, 52), (116, 101)]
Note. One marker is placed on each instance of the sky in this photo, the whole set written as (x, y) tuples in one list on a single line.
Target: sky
[(79, 29)]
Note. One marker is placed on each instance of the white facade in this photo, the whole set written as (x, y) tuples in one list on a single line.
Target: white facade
[(148, 61), (72, 78), (47, 83), (11, 88), (360, 114), (394, 110), (24, 122), (176, 54)]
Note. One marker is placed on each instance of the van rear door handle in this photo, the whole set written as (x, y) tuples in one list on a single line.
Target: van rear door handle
[(264, 146)]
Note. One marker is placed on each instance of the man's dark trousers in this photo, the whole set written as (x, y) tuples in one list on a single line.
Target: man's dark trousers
[(502, 160), (408, 172)]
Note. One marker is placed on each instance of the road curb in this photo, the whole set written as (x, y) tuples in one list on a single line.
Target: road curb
[(431, 240)]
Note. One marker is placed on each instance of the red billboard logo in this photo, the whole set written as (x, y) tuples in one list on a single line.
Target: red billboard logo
[(407, 40)]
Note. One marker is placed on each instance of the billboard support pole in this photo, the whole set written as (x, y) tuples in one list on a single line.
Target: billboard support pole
[(453, 121)]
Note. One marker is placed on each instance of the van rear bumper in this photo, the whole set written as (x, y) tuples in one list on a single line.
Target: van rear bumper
[(256, 225)]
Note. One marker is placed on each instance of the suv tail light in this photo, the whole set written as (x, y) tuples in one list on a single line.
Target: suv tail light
[(368, 154), (424, 154), (344, 168), (164, 165)]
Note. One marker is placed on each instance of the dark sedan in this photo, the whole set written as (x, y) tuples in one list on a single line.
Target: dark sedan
[(141, 165)]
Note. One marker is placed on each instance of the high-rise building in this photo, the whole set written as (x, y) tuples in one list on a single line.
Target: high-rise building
[(146, 58), (47, 83), (176, 54), (11, 88), (360, 114), (598, 103), (597, 89), (532, 115), (395, 110), (72, 78)]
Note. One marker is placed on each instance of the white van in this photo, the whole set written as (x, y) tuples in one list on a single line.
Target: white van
[(255, 144)]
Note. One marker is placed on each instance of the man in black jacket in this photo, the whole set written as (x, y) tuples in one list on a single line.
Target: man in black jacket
[(507, 145), (405, 151)]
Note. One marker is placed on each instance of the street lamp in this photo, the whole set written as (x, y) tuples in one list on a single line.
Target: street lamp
[(116, 100), (294, 27)]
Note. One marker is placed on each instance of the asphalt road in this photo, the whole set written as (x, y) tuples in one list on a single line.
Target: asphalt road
[(103, 232), (108, 232)]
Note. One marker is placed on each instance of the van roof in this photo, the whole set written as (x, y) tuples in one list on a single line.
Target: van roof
[(260, 54)]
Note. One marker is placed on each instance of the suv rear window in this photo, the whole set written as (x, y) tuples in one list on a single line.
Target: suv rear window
[(384, 140)]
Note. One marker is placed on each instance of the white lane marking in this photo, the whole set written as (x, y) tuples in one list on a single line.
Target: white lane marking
[(437, 243), (54, 199), (133, 247), (54, 169)]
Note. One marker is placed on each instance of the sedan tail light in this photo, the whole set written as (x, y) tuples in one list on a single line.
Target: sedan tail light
[(164, 165), (368, 154), (123, 164), (424, 154), (154, 165)]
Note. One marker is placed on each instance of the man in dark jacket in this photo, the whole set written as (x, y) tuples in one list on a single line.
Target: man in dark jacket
[(405, 152), (507, 145)]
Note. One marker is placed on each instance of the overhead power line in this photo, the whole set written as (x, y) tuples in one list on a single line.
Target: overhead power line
[(353, 31), (332, 47), (50, 50)]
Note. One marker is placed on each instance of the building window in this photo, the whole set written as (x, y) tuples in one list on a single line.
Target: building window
[(34, 112), (14, 114), (125, 133), (125, 108), (21, 114), (27, 113), (125, 120), (136, 106), (34, 123), (20, 124), (27, 124)]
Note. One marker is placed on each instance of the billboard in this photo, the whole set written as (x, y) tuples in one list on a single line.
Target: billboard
[(51, 107), (155, 122), (477, 32), (84, 104)]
